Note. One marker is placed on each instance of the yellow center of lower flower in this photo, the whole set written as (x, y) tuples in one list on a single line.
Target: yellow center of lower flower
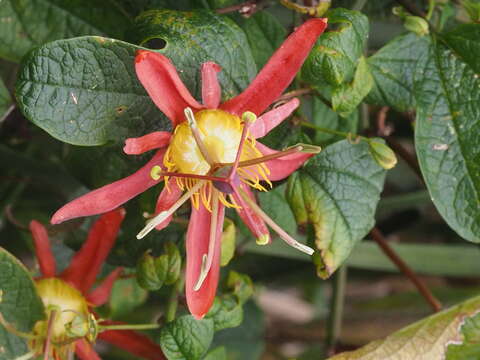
[(220, 132), (64, 303)]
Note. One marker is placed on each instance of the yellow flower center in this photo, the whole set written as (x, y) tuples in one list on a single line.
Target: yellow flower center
[(221, 133), (67, 303)]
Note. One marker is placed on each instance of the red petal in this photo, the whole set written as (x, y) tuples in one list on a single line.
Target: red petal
[(167, 198), (282, 167), (198, 235), (271, 119), (279, 71), (43, 252), (110, 196), (255, 223), (101, 294), (160, 78), (134, 343), (85, 351), (155, 140), (86, 263), (211, 91)]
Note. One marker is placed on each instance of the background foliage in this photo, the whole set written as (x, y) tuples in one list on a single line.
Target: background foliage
[(69, 97)]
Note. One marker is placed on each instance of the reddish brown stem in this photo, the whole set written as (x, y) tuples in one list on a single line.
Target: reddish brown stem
[(405, 269), (294, 93), (384, 131)]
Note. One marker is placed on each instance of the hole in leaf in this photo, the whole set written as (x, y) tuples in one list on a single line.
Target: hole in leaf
[(121, 109), (156, 43)]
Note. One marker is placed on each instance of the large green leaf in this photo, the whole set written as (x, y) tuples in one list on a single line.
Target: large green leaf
[(264, 33), (447, 91), (186, 338), (84, 91), (26, 24), (334, 57), (194, 37), (337, 191), (424, 340), (20, 304), (393, 68)]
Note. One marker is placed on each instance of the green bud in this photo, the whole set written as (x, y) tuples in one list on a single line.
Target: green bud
[(174, 262), (228, 242), (150, 272), (417, 25), (383, 155), (153, 272)]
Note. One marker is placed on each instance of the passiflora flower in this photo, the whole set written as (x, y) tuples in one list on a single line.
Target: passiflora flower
[(70, 324), (212, 157)]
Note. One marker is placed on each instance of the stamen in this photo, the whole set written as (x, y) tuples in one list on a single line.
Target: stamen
[(156, 173), (311, 149), (207, 260), (282, 233), (158, 219), (248, 119), (197, 136), (51, 321)]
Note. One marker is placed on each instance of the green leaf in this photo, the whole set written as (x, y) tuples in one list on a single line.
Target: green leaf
[(241, 286), (228, 242), (20, 305), (469, 349), (393, 68), (84, 91), (126, 295), (5, 100), (264, 34), (447, 91), (26, 24), (226, 312), (337, 191), (186, 338), (347, 97), (195, 37), (274, 204), (334, 57), (247, 340), (424, 340), (218, 353)]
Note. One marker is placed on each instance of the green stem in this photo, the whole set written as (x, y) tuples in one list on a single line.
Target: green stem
[(172, 303), (329, 131), (129, 327), (334, 323)]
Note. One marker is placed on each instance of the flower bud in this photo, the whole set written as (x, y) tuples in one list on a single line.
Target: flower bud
[(417, 25), (383, 155), (153, 272)]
